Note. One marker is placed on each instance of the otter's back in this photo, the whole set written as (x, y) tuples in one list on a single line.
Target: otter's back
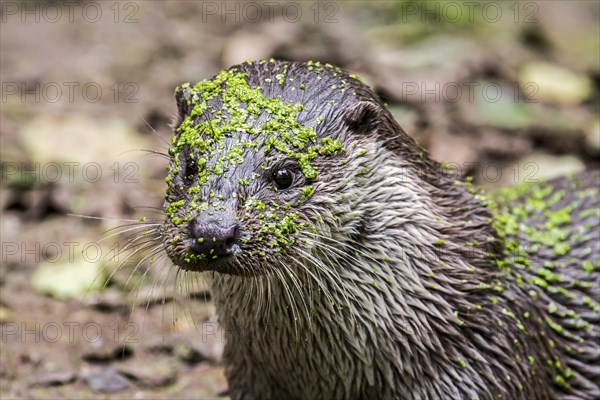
[(551, 232)]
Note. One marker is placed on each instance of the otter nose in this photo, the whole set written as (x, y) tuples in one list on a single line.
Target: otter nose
[(213, 240)]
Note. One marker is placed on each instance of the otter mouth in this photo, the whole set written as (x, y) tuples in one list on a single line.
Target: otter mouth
[(223, 265), (191, 258), (204, 245)]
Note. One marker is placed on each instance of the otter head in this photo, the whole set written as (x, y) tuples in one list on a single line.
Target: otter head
[(262, 162)]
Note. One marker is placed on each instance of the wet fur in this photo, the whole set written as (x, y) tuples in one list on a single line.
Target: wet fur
[(366, 307)]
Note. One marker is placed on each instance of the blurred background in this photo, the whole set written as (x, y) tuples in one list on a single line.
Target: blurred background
[(504, 91)]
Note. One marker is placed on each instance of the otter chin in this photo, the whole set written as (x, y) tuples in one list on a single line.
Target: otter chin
[(346, 264)]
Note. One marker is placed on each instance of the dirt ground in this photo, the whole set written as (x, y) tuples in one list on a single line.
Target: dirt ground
[(504, 91)]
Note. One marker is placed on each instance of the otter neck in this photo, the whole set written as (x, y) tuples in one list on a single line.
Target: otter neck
[(408, 275)]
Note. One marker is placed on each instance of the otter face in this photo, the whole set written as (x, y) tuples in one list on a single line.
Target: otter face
[(257, 156)]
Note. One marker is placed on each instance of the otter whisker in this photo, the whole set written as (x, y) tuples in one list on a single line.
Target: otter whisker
[(154, 282), (296, 283), (265, 284), (138, 285), (156, 248), (181, 279), (259, 293), (317, 280), (134, 239), (150, 229), (269, 299), (190, 298), (154, 131), (179, 275), (348, 246), (132, 227), (344, 255), (136, 246), (100, 218), (260, 285), (191, 283), (254, 296), (187, 310), (147, 151), (130, 223), (331, 278), (203, 290), (348, 255), (322, 267), (104, 268), (153, 222), (291, 300), (151, 209), (164, 283), (161, 267), (156, 153)]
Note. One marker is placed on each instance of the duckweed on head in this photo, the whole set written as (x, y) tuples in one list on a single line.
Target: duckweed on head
[(228, 120)]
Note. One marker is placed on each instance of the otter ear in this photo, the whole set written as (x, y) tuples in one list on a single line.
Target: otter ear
[(363, 117), (183, 97)]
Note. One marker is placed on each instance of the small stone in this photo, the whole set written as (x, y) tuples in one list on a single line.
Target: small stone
[(102, 352), (182, 349), (425, 72), (592, 139), (82, 139), (67, 279), (500, 144), (457, 150), (52, 378), (212, 343), (554, 84), (105, 380), (5, 314), (150, 372), (538, 167), (107, 300), (493, 105)]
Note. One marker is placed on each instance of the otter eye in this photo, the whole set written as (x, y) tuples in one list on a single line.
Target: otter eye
[(191, 168), (283, 178)]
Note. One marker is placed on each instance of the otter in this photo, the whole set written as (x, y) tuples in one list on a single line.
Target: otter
[(346, 264)]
